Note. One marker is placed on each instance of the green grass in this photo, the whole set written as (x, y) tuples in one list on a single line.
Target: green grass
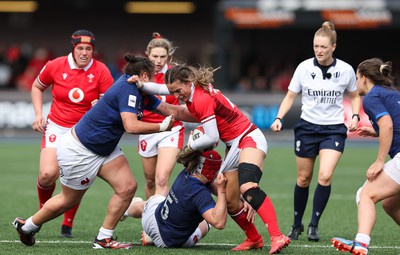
[(19, 169)]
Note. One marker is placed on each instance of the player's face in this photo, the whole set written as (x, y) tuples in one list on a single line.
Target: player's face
[(159, 56), (180, 90), (83, 53), (362, 89), (323, 50)]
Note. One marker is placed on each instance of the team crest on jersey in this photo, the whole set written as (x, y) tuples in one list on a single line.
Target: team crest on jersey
[(90, 76), (64, 75), (76, 95), (143, 145), (52, 138)]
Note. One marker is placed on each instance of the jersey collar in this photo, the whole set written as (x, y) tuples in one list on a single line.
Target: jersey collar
[(71, 63), (192, 87)]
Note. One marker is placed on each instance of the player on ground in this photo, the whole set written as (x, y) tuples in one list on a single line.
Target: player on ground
[(323, 81), (381, 104), (77, 81), (182, 218)]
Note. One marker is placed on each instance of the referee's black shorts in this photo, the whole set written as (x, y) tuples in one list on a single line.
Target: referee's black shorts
[(310, 138)]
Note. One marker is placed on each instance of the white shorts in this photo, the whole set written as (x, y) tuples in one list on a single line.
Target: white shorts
[(392, 168), (148, 144), (149, 222), (231, 161), (52, 134), (79, 165)]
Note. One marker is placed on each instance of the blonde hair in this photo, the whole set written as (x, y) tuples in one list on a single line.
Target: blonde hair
[(160, 42), (327, 29), (202, 76)]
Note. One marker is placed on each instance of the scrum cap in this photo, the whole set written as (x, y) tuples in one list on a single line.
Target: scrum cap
[(82, 36), (210, 162)]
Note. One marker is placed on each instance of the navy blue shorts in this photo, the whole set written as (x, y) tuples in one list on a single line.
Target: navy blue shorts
[(310, 138)]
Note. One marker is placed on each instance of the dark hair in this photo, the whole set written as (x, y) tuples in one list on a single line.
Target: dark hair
[(138, 65), (82, 36), (189, 159), (202, 76), (379, 72)]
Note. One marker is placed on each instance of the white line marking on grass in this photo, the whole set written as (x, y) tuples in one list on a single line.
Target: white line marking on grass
[(199, 244)]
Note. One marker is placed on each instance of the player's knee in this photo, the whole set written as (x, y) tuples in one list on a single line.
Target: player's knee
[(127, 191), (248, 172), (150, 183), (255, 197), (48, 177)]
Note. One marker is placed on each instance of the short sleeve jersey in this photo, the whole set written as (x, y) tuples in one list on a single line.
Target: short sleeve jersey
[(207, 105), (154, 117), (381, 101), (101, 128), (181, 212), (73, 89), (322, 99)]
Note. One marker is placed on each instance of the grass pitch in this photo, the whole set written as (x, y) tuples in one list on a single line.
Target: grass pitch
[(19, 169)]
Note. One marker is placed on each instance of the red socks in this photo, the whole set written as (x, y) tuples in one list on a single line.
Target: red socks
[(248, 227), (44, 193), (69, 216), (268, 216)]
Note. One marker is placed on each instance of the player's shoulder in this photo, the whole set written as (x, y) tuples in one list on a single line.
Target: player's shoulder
[(58, 60), (305, 65), (343, 65)]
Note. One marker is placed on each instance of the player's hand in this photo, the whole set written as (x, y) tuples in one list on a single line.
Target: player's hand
[(167, 123), (38, 124), (366, 131), (135, 80), (220, 182), (353, 125), (251, 214), (374, 170), (276, 126)]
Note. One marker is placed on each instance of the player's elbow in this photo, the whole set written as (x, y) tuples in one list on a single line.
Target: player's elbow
[(220, 225)]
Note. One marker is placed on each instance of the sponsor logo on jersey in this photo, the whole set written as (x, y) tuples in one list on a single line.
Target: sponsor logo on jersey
[(132, 100), (76, 95)]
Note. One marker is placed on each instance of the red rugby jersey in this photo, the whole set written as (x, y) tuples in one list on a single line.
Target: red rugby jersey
[(73, 89), (204, 106)]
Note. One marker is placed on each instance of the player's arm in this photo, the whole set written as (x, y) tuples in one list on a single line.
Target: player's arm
[(385, 124), (134, 126), (180, 112), (285, 106), (355, 106), (217, 215), (37, 102), (208, 139), (149, 87)]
